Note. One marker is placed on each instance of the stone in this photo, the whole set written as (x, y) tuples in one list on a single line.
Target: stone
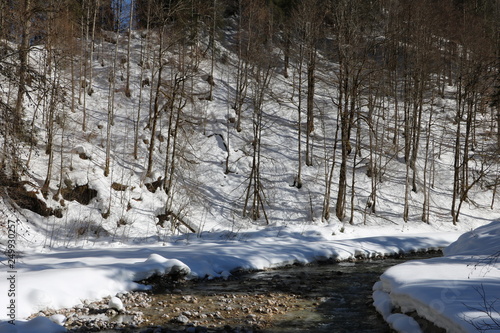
[(181, 319)]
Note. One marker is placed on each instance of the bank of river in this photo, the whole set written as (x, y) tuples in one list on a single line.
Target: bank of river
[(321, 297)]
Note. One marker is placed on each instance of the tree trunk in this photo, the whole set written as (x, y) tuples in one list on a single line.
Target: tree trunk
[(298, 181), (90, 90), (127, 84), (50, 135), (311, 67), (329, 179), (456, 162), (353, 174), (426, 185), (23, 65), (345, 150), (111, 106), (156, 109)]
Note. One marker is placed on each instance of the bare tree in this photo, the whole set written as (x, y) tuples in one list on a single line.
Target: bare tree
[(91, 47), (111, 88), (351, 56), (24, 47), (130, 22), (245, 21), (260, 37), (169, 36), (160, 22), (255, 197), (474, 62), (144, 81)]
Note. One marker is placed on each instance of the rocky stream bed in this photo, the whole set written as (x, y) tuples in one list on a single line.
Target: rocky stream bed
[(321, 297)]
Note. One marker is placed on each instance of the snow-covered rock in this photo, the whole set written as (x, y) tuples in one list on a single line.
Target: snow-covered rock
[(59, 319), (115, 303), (159, 265)]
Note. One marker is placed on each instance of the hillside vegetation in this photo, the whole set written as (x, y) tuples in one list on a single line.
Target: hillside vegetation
[(189, 116)]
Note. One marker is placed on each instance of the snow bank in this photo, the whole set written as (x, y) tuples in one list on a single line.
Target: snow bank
[(158, 265), (65, 278), (448, 291), (481, 241), (60, 280), (35, 325)]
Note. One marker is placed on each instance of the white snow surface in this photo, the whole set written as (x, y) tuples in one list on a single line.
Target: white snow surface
[(35, 325), (59, 278), (453, 292)]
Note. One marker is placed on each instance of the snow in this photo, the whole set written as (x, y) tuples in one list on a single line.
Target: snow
[(402, 323), (115, 303), (443, 290), (35, 325), (65, 277), (86, 256), (60, 319), (450, 291)]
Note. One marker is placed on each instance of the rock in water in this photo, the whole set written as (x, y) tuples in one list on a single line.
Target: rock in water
[(181, 319)]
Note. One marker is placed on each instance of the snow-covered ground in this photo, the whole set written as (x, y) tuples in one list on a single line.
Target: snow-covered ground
[(459, 292), (65, 277), (446, 291)]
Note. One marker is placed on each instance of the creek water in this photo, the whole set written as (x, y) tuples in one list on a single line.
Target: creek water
[(322, 297)]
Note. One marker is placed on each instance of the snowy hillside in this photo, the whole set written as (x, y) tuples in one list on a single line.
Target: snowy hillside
[(128, 205)]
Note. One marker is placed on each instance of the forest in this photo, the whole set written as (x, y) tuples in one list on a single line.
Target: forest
[(178, 113)]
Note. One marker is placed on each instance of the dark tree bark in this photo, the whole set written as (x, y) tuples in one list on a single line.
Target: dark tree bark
[(24, 48)]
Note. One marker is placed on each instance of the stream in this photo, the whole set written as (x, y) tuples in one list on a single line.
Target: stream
[(321, 297)]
